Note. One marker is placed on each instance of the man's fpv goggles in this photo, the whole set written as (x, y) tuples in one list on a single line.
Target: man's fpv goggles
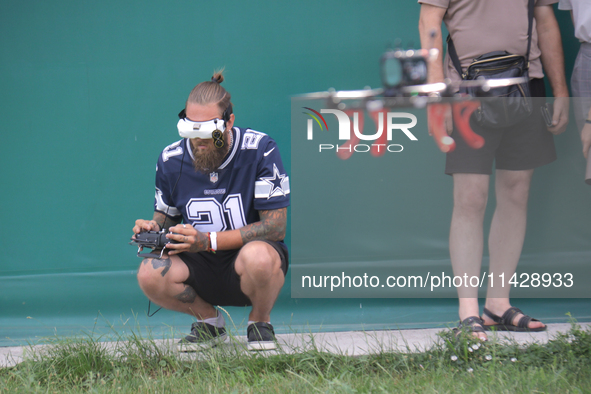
[(210, 129)]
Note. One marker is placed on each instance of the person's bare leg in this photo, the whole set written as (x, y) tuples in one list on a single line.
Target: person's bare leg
[(259, 266), (161, 280), (466, 239), (507, 233)]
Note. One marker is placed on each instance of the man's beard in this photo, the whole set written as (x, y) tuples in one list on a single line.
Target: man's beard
[(211, 158)]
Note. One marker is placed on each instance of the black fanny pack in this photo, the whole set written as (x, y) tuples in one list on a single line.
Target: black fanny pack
[(506, 105)]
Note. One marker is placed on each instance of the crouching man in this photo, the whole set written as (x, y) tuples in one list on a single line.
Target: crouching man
[(222, 193)]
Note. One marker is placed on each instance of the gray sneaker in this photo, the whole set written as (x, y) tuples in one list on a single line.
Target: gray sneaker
[(261, 336), (202, 336)]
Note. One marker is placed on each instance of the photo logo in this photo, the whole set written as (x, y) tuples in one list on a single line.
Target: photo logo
[(351, 130), (315, 117)]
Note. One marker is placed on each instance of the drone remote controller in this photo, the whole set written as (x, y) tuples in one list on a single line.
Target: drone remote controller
[(151, 239)]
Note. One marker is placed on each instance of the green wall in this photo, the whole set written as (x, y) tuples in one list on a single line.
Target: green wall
[(89, 97)]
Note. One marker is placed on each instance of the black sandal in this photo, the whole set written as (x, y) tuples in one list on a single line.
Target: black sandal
[(472, 324), (505, 322)]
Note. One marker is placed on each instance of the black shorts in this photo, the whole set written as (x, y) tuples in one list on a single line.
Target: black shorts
[(524, 146), (213, 277)]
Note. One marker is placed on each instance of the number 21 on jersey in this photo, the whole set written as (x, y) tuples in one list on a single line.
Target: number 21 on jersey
[(209, 215)]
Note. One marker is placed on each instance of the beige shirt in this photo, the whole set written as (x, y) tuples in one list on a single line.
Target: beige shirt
[(481, 26)]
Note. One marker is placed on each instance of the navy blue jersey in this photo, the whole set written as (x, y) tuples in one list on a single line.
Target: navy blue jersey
[(250, 179)]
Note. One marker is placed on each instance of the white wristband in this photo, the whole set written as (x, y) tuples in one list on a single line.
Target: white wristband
[(214, 240)]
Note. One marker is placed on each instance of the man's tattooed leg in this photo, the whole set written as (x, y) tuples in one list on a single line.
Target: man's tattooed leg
[(188, 295), (159, 263)]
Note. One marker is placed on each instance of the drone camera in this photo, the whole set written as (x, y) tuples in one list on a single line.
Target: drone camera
[(403, 68)]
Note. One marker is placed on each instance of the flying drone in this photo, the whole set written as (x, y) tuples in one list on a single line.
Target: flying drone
[(404, 85)]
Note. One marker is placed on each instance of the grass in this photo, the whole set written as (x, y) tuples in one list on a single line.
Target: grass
[(137, 364)]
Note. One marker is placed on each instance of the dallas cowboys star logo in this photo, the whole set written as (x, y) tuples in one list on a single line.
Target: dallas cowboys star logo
[(276, 183)]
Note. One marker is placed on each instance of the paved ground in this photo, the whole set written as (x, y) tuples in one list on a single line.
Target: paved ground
[(351, 343)]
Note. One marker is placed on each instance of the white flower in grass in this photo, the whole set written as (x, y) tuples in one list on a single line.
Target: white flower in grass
[(470, 370), (476, 346), (488, 357), (470, 350), (513, 359), (454, 358)]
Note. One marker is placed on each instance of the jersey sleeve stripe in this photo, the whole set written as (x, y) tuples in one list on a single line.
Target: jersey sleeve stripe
[(163, 207), (263, 189)]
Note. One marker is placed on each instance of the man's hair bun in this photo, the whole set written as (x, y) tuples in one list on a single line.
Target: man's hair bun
[(218, 77), (211, 92)]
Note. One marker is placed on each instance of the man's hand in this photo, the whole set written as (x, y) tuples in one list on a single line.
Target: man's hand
[(142, 225), (560, 117), (446, 120), (157, 223), (550, 43), (189, 239)]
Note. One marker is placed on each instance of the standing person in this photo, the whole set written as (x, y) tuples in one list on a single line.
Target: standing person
[(479, 27), (222, 193), (581, 78)]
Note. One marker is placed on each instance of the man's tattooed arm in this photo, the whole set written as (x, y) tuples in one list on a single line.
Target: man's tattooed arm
[(163, 221), (271, 226)]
